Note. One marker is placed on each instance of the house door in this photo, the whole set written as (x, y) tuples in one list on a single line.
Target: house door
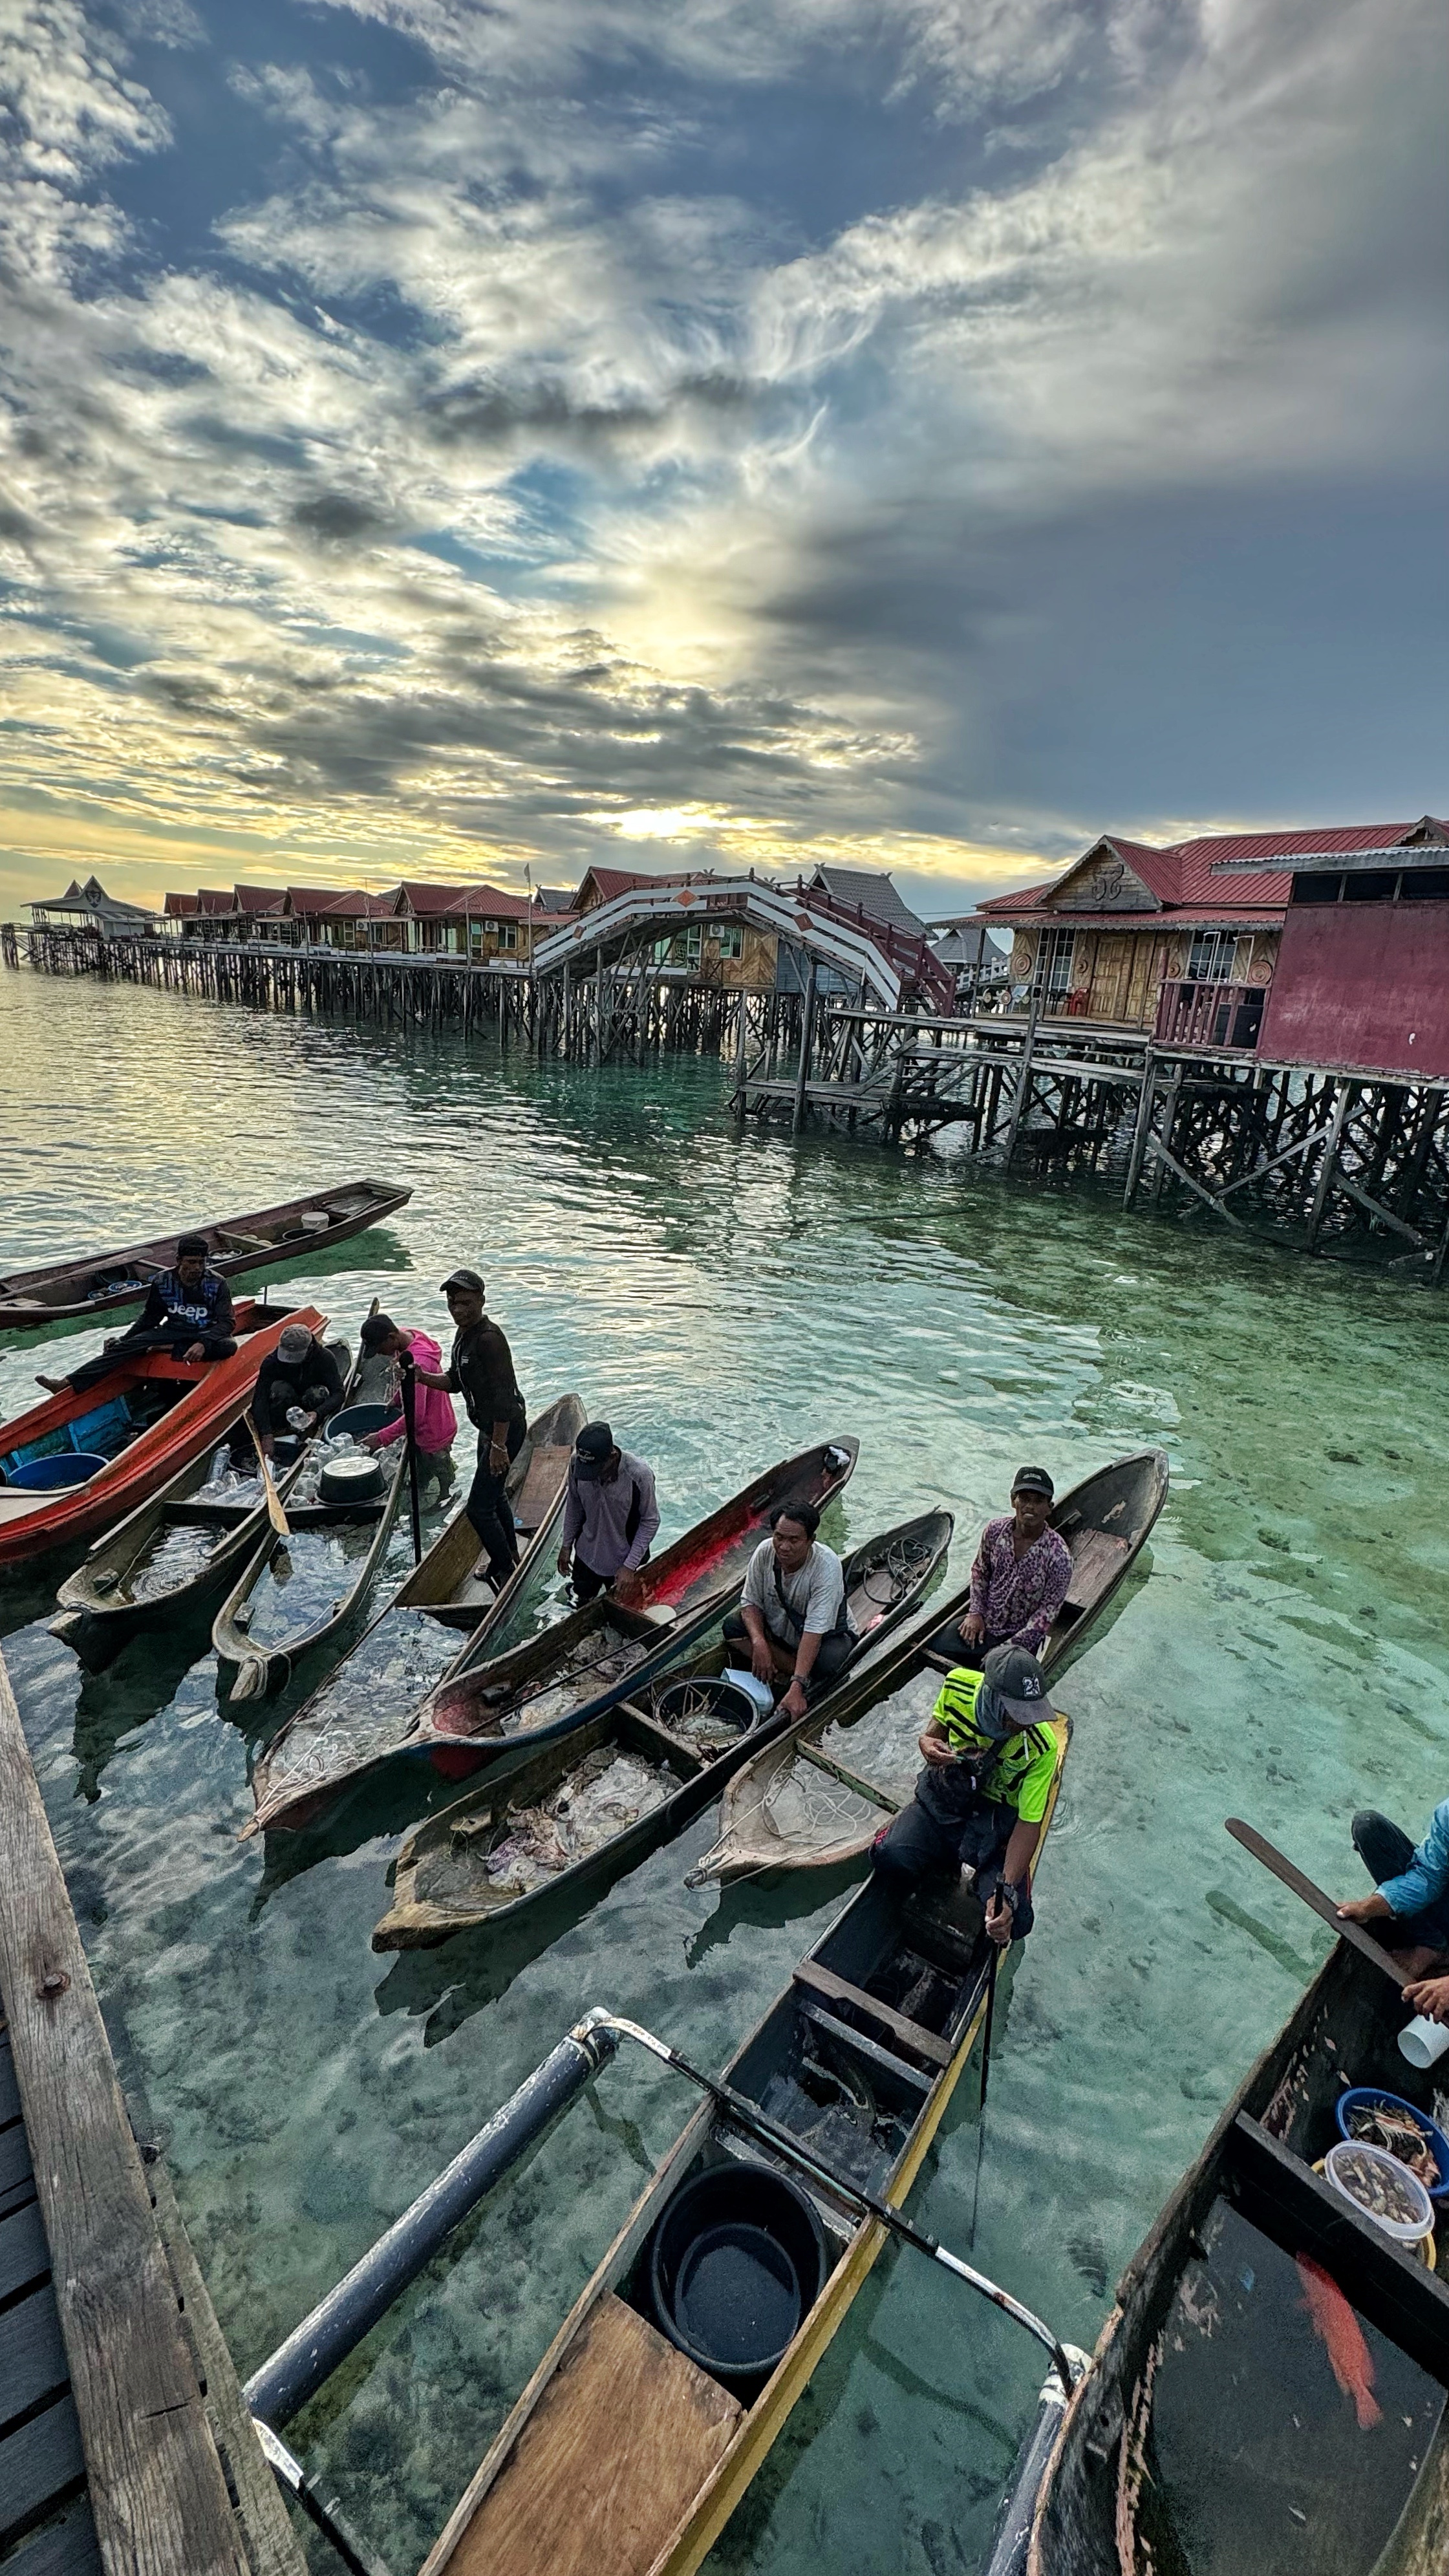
[(1111, 975)]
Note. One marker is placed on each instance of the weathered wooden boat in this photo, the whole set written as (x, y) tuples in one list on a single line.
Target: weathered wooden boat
[(486, 1707), (1269, 2389), (819, 1793), (297, 1593), (101, 1282), (111, 1447), (446, 1583), (639, 2432), (576, 1815)]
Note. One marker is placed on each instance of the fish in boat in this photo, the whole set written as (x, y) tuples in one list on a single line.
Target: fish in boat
[(149, 1418), (627, 2453), (819, 1793), (583, 1810), (485, 1707), (1269, 2389), (103, 1281)]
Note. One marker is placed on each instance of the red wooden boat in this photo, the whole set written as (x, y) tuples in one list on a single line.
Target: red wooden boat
[(142, 1424)]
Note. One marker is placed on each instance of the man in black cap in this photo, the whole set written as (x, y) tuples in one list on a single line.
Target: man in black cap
[(991, 1759), (187, 1312), (480, 1369), (298, 1385), (1021, 1575), (611, 1516)]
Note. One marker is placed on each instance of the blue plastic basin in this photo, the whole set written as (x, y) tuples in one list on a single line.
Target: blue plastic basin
[(357, 1420), (1375, 2097), (53, 1475)]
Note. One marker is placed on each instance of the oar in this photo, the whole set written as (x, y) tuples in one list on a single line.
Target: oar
[(409, 1404), (748, 2116), (275, 1513), (1353, 1933), (991, 1968)]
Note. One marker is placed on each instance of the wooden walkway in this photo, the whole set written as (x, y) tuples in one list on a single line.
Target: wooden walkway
[(125, 2443)]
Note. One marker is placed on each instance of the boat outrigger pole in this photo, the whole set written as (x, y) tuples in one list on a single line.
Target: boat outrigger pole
[(758, 2124)]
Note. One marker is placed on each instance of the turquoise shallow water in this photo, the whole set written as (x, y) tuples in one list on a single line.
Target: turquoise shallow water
[(725, 1300)]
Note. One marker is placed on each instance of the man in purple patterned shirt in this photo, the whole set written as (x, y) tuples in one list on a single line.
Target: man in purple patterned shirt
[(1021, 1574)]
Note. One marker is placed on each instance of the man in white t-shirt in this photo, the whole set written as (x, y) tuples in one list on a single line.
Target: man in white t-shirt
[(791, 1620)]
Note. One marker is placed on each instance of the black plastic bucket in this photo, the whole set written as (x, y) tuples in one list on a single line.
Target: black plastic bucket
[(739, 2258)]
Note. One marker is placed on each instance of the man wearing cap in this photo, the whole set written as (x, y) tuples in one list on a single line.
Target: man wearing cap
[(187, 1312), (298, 1385), (991, 1758), (1021, 1575), (792, 1618), (480, 1369), (611, 1515), (434, 1421)]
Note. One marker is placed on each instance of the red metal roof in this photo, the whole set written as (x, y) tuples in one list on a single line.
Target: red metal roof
[(216, 900), (612, 881), (355, 906), (185, 903), (489, 903), (256, 899), (1181, 874)]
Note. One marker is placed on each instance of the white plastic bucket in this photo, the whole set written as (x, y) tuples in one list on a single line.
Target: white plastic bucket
[(753, 1688), (1353, 2160), (1423, 2042)]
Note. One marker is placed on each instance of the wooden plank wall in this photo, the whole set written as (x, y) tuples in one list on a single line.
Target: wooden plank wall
[(158, 2492)]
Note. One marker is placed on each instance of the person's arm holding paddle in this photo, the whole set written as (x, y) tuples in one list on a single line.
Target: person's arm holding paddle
[(1411, 1900)]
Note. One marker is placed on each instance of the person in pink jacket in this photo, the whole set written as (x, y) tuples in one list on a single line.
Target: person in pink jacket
[(434, 1420)]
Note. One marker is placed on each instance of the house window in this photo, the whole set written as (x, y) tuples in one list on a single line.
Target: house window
[(1210, 960), (1424, 885), (505, 933), (1054, 968), (1314, 887), (731, 943), (661, 951), (694, 943)]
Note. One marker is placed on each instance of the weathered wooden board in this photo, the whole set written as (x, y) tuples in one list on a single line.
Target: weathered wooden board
[(32, 2355), (24, 2253), (624, 2437), (67, 2548), (9, 2090), (40, 2464), (837, 1990), (156, 2484), (17, 2183)]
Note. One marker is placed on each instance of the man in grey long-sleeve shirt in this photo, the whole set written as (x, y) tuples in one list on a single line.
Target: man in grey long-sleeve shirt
[(611, 1515)]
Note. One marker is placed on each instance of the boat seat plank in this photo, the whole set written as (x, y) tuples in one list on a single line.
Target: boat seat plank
[(547, 1469), (622, 2439), (861, 2046), (24, 2253), (1097, 1560), (1278, 2192), (63, 2549), (938, 1662), (32, 2355), (866, 1789), (837, 1990), (40, 2465)]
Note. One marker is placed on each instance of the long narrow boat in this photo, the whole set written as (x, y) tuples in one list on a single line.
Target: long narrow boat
[(99, 1282), (485, 1708), (446, 1583), (571, 1819), (818, 1794), (626, 2454), (1268, 2392), (148, 1418), (297, 1593)]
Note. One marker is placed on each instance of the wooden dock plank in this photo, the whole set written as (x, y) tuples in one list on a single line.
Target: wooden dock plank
[(32, 2356), (156, 2484), (9, 2089), (17, 2182), (24, 2253), (40, 2464), (65, 2548)]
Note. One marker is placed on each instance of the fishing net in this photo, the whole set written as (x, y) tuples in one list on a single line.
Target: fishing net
[(370, 1706), (812, 1809), (885, 1578), (707, 1714), (593, 1804)]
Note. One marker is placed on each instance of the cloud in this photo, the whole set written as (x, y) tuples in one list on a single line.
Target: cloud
[(806, 426)]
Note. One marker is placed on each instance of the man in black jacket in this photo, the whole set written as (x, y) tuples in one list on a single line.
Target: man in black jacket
[(480, 1369), (187, 1312), (299, 1377)]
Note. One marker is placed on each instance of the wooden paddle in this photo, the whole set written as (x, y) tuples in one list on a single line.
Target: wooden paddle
[(1322, 1905), (275, 1513)]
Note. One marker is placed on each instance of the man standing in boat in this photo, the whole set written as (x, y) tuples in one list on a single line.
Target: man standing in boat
[(611, 1516), (982, 1798), (792, 1618), (1021, 1575), (1408, 1911), (480, 1369), (187, 1312)]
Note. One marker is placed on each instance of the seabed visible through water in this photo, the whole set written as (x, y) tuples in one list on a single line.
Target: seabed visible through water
[(724, 1300)]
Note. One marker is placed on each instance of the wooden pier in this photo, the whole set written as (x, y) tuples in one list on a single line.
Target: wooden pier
[(125, 2442)]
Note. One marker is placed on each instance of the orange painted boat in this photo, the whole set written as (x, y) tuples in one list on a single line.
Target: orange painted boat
[(106, 1450)]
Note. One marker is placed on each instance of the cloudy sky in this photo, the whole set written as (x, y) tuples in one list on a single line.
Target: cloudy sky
[(444, 437)]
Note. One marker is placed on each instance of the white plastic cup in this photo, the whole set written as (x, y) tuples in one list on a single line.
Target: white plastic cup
[(1423, 2042)]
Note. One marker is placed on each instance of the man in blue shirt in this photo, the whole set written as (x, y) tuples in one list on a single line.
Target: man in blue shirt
[(1409, 1908)]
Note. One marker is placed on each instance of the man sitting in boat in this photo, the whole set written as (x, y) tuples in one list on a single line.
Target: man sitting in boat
[(792, 1617), (187, 1312), (1022, 1570), (434, 1421), (298, 1385), (611, 1516), (990, 1763), (1408, 1911), (480, 1369)]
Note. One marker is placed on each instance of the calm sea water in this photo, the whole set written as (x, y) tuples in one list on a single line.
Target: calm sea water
[(724, 1300)]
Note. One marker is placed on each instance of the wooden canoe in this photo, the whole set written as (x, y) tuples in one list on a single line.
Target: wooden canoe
[(651, 1761), (484, 1708), (623, 2457), (818, 1795), (445, 1582), (1237, 2397), (103, 1281), (148, 1418), (261, 1635)]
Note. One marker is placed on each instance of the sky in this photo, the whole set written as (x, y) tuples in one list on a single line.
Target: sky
[(444, 440)]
